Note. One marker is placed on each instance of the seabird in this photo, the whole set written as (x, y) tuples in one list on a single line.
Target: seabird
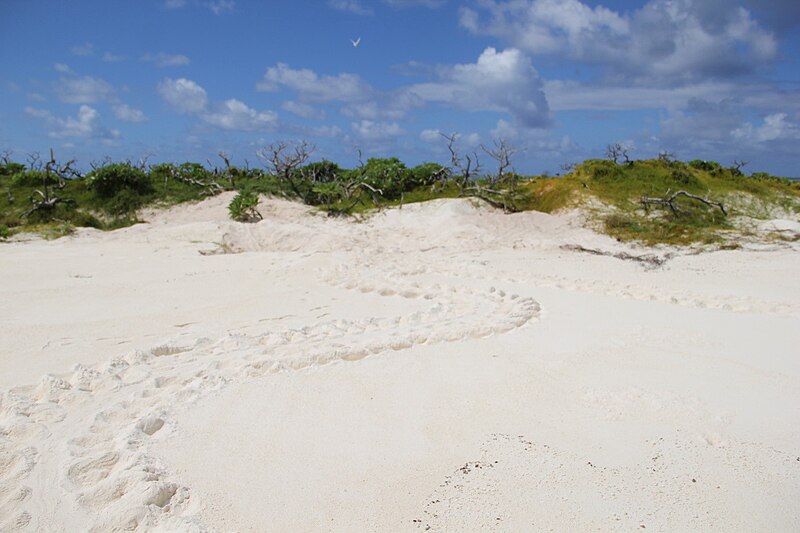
[(356, 42)]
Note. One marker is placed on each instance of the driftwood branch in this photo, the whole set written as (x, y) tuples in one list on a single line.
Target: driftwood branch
[(495, 197), (649, 261), (669, 201)]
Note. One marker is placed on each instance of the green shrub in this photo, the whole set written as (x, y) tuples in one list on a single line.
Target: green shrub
[(428, 174), (32, 178), (11, 168), (86, 220), (391, 176), (109, 180), (684, 177), (328, 193), (604, 170), (708, 166), (5, 233), (243, 207), (124, 202)]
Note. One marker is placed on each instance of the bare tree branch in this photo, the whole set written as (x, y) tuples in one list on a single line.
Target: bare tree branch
[(669, 201)]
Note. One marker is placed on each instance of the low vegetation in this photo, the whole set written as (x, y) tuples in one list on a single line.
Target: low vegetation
[(660, 200)]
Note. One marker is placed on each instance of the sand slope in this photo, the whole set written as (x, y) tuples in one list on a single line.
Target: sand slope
[(438, 367)]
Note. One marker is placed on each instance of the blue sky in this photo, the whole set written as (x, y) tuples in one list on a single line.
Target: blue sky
[(183, 79)]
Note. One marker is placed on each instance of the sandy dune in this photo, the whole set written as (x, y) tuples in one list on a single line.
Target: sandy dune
[(440, 367)]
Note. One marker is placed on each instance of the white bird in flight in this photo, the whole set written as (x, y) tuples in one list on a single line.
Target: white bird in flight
[(356, 42)]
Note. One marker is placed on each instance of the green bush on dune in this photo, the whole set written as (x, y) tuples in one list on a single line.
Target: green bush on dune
[(110, 195), (243, 207)]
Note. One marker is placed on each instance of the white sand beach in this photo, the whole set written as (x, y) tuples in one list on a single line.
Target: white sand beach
[(440, 367)]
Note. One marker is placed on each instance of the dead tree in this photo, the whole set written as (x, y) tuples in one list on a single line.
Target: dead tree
[(669, 200), (212, 187), (467, 167), (615, 151), (285, 158), (143, 162), (737, 167), (357, 184), (53, 172), (228, 170), (502, 153), (34, 161), (667, 157)]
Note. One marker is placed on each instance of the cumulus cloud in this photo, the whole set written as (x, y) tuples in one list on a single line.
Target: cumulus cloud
[(720, 130), (311, 87), (435, 136), (675, 39), (502, 81), (391, 105), (775, 127), (128, 114), (566, 95), (302, 110), (85, 125), (166, 60), (185, 96), (235, 115), (533, 142), (61, 67), (377, 131), (430, 136), (498, 81), (84, 90)]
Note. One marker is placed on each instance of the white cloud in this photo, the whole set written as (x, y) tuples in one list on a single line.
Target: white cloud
[(302, 110), (538, 142), (431, 136), (391, 106), (434, 136), (61, 67), (311, 87), (674, 39), (350, 6), (85, 49), (235, 115), (84, 90), (84, 125), (185, 96), (775, 127), (498, 81), (564, 95), (377, 131), (166, 60), (128, 114), (220, 6)]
